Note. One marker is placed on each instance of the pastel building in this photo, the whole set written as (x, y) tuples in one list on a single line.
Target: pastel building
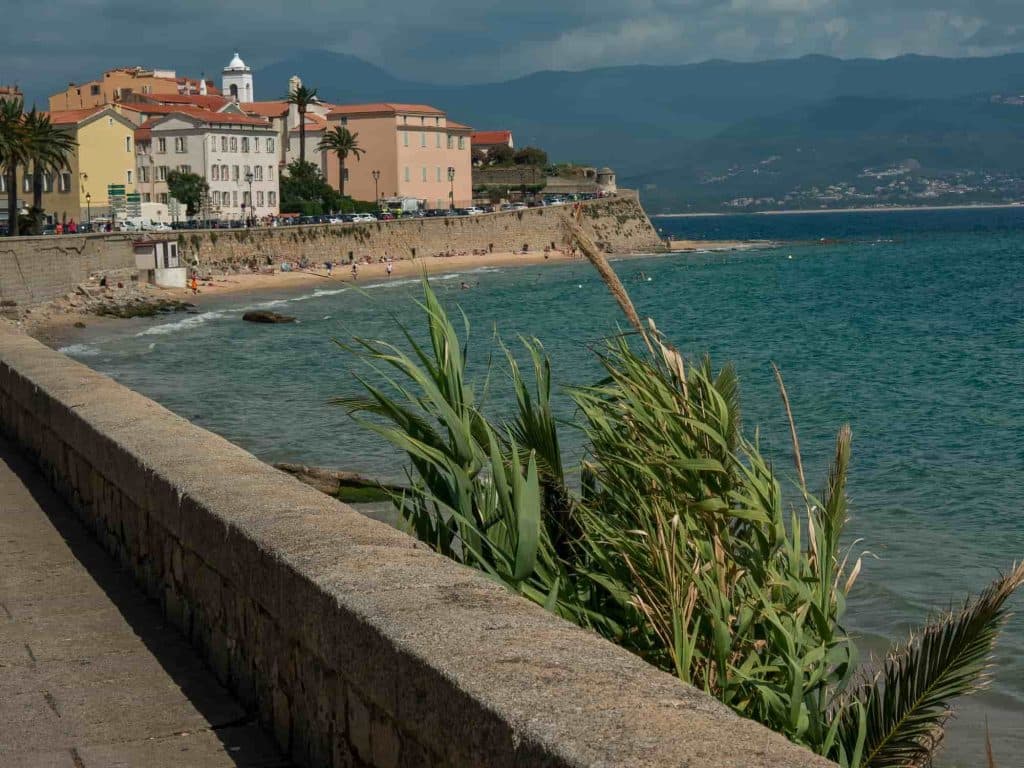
[(224, 148), (485, 141), (411, 147), (118, 84), (104, 155)]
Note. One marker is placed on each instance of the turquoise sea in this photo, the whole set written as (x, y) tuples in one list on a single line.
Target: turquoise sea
[(909, 326)]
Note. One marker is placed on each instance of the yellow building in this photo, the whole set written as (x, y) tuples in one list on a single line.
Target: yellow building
[(105, 155)]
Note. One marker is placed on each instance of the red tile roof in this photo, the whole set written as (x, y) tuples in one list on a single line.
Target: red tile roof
[(492, 137), (214, 103), (314, 123), (73, 116), (144, 132), (266, 108), (383, 107), (206, 115)]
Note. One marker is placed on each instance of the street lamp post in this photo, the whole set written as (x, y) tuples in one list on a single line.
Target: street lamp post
[(376, 192), (88, 208), (451, 192), (252, 208)]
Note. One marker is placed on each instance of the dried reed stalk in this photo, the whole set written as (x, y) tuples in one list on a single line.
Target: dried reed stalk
[(797, 459), (594, 255)]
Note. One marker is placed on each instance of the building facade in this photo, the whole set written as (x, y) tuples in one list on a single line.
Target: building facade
[(116, 84), (224, 148), (103, 156), (236, 81), (411, 147)]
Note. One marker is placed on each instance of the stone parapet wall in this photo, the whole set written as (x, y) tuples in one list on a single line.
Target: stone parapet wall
[(618, 224), (38, 269), (354, 644)]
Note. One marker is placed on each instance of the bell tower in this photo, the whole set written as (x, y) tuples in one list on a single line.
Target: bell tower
[(236, 81)]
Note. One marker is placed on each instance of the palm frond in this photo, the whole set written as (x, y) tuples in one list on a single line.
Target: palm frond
[(906, 704)]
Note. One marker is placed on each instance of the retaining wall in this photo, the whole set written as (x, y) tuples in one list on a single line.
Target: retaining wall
[(355, 645), (38, 269)]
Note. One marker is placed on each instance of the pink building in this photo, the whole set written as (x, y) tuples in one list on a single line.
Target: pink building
[(411, 146)]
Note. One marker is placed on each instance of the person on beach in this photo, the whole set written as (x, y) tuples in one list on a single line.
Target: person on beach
[(329, 266), (388, 267), (355, 270), (194, 284)]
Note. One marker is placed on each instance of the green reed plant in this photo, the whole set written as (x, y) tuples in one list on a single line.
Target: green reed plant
[(677, 543)]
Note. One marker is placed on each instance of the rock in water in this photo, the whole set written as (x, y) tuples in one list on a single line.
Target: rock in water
[(262, 316)]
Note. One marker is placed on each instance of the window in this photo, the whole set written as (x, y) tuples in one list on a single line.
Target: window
[(245, 199), (223, 143), (245, 143), (449, 142), (346, 174), (162, 197), (47, 182), (407, 173), (94, 90), (256, 144), (405, 138), (215, 198), (424, 174), (185, 168), (146, 197), (161, 145), (143, 173), (179, 144), (128, 144), (65, 182), (438, 169), (270, 173), (462, 142), (161, 173), (245, 173), (405, 119), (128, 177), (223, 173), (271, 198), (438, 135), (257, 173), (234, 173), (26, 183), (423, 121), (213, 143), (216, 173), (423, 139), (344, 121), (259, 199), (234, 197), (270, 145), (234, 143), (437, 121)]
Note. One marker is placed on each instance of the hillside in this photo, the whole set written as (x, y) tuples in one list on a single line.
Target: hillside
[(669, 129)]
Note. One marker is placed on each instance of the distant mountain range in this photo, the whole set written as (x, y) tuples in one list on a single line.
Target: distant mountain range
[(721, 135)]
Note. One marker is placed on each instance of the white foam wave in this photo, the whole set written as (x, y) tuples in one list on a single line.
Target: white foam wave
[(192, 321), (79, 350)]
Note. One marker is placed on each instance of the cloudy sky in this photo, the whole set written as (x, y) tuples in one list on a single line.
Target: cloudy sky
[(47, 44)]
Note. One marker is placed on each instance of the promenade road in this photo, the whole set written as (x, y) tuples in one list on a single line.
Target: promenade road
[(90, 674)]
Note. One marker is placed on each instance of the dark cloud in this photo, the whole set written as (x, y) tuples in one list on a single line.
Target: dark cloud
[(47, 44)]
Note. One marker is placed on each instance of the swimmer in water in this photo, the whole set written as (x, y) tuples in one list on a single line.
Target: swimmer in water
[(464, 286)]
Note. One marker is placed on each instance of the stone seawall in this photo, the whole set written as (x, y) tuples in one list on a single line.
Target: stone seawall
[(354, 644), (618, 224), (38, 269)]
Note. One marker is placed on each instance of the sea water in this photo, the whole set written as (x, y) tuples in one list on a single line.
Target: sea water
[(907, 326)]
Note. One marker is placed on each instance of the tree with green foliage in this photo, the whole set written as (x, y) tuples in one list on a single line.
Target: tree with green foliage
[(342, 143), (49, 150), (302, 97), (304, 190), (500, 155), (530, 156), (677, 543), (14, 154), (188, 188)]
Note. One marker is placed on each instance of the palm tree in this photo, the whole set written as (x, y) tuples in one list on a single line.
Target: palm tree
[(12, 155), (342, 143), (302, 97), (48, 148)]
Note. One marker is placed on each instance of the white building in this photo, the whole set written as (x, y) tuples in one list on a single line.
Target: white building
[(224, 148), (236, 81)]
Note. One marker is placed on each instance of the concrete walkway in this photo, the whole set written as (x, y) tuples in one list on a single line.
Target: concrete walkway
[(90, 675)]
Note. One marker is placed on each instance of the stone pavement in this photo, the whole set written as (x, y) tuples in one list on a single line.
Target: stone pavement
[(90, 675)]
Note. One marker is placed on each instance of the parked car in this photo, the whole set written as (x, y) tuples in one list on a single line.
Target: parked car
[(364, 218), (386, 216), (473, 211)]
